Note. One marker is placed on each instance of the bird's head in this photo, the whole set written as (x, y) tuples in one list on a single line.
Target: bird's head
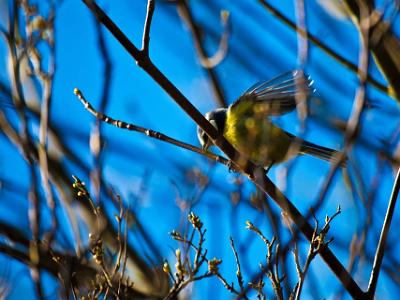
[(217, 118)]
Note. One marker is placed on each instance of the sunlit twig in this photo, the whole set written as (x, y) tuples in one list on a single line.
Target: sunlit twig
[(382, 240), (151, 133)]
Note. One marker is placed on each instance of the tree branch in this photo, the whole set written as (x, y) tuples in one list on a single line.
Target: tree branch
[(147, 26), (382, 240), (187, 16), (151, 133)]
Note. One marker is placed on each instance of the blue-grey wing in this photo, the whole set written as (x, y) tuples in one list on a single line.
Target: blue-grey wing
[(280, 94)]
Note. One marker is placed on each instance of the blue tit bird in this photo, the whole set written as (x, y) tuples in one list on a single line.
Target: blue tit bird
[(247, 124)]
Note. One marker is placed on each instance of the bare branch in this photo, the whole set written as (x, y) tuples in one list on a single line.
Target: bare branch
[(147, 26), (151, 133), (187, 16), (238, 271), (382, 240)]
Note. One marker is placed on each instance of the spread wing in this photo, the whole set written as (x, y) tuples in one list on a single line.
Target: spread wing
[(278, 95)]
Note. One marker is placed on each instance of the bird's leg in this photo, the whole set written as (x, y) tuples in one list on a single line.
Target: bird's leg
[(231, 166), (269, 167)]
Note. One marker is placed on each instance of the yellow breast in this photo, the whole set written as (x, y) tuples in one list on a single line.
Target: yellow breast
[(255, 136)]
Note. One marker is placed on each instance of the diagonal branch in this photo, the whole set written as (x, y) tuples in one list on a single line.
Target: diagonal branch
[(382, 240)]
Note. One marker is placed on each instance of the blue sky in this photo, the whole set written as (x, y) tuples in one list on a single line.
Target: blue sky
[(260, 47)]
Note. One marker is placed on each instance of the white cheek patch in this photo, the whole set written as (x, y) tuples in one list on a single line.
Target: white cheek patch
[(213, 123)]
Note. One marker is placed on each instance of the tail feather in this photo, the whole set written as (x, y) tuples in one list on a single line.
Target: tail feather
[(322, 152)]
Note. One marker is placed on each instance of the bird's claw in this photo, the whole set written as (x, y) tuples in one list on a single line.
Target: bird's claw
[(231, 166)]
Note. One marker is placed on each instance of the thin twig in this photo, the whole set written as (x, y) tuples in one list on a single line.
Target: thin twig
[(238, 271), (20, 104), (125, 259), (151, 133), (120, 241), (96, 138), (46, 79), (187, 16), (382, 240), (147, 26)]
